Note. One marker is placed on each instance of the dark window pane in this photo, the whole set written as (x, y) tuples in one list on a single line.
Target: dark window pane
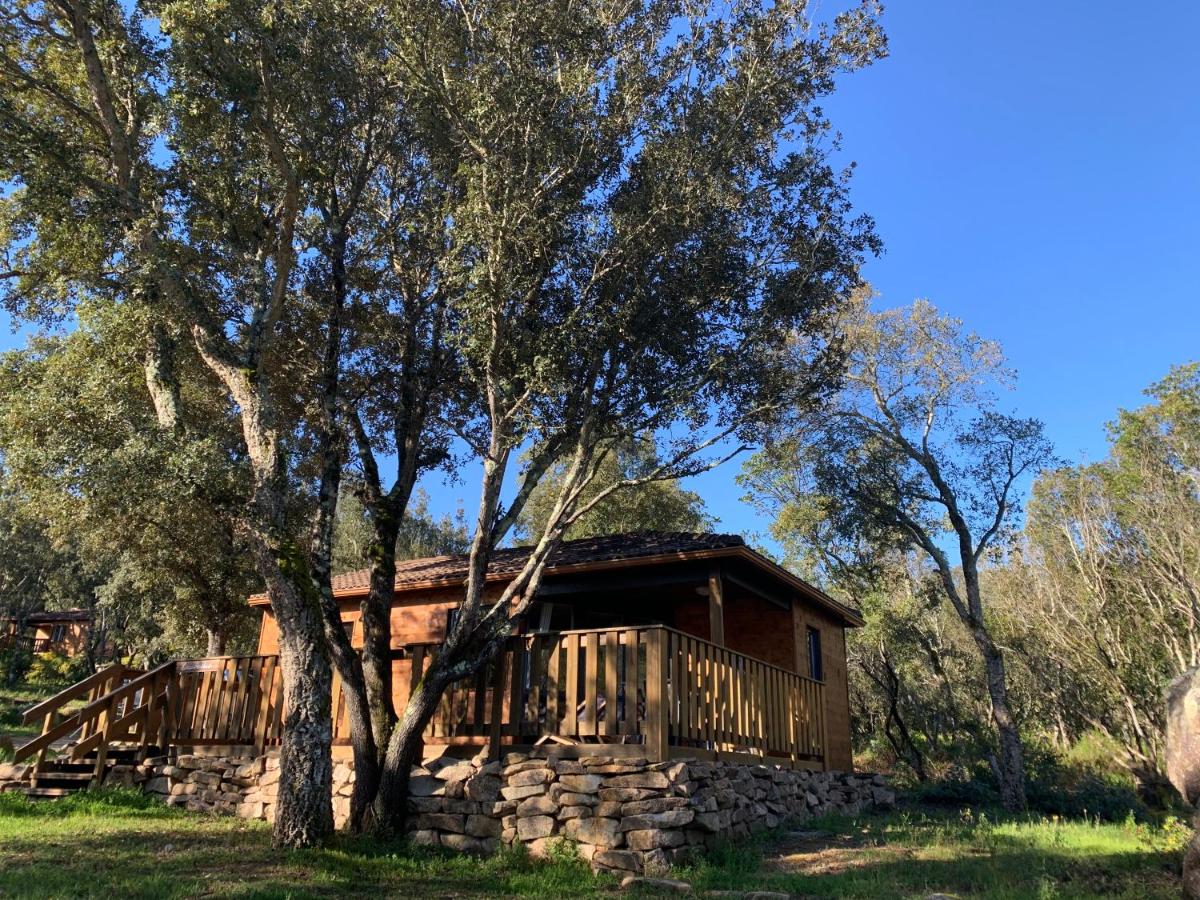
[(815, 668)]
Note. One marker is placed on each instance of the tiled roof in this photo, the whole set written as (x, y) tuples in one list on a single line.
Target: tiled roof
[(509, 561), (62, 615)]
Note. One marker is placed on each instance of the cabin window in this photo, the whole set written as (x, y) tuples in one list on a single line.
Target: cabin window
[(816, 670), (451, 618), (59, 632), (349, 626)]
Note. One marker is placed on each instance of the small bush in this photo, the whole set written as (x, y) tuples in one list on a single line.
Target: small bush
[(1076, 793), (54, 667), (1086, 783), (14, 663), (955, 793)]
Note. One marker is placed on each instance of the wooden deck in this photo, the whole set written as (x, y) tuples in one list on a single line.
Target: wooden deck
[(663, 692)]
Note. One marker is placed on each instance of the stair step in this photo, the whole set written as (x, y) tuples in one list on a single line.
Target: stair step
[(50, 793), (50, 778), (114, 756), (65, 767)]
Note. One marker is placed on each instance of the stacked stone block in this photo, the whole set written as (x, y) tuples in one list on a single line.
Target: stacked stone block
[(623, 814)]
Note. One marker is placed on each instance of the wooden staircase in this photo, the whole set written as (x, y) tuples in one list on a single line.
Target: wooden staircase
[(121, 719), (63, 777)]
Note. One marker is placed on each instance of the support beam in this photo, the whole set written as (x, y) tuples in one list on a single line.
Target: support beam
[(716, 607)]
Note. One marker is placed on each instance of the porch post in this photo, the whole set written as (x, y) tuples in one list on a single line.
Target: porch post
[(716, 607)]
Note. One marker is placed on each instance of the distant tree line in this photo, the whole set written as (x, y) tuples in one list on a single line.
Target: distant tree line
[(996, 628)]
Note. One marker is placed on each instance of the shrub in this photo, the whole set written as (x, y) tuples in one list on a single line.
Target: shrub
[(1084, 783), (14, 662), (54, 667), (955, 792)]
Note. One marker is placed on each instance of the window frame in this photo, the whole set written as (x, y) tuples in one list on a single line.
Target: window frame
[(816, 658)]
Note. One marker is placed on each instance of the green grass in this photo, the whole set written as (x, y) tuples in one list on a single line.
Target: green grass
[(125, 844), (13, 703), (915, 854)]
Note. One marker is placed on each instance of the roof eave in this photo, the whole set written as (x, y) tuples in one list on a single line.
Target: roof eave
[(850, 616)]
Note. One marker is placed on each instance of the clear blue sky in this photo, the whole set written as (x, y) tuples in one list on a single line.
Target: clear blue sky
[(1032, 167)]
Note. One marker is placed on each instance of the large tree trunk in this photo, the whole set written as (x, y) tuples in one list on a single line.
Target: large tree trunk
[(304, 809), (404, 751), (1011, 758)]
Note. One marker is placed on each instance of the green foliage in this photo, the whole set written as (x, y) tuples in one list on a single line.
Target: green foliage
[(612, 219), (55, 668), (87, 460), (421, 534), (905, 483), (644, 506), (1109, 575)]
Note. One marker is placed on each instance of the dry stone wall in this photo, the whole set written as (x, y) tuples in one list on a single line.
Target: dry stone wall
[(624, 814)]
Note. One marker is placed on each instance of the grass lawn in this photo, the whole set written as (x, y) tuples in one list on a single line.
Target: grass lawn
[(908, 854), (123, 844), (13, 703)]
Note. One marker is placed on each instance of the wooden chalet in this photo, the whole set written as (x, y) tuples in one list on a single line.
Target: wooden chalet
[(658, 645), (64, 631)]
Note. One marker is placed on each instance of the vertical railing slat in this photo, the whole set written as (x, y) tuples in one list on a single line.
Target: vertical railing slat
[(591, 688), (630, 721), (554, 669), (612, 649), (571, 721)]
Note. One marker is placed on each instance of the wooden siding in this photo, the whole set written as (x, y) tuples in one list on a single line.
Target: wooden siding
[(837, 689), (754, 627), (761, 629)]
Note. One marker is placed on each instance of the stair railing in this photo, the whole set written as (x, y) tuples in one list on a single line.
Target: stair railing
[(56, 722), (117, 710)]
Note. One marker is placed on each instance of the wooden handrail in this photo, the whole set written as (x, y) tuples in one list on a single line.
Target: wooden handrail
[(651, 685), (91, 711), (763, 662), (68, 694), (116, 695)]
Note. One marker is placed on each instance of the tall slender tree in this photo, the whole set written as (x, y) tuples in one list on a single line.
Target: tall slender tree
[(188, 170), (912, 452)]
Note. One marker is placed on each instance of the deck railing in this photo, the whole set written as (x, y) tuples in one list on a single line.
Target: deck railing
[(671, 693)]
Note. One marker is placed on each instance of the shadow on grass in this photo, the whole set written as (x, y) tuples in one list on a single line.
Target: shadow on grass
[(896, 857), (109, 844)]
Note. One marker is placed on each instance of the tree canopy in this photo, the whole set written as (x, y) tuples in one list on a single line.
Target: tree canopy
[(656, 505), (338, 234), (912, 453)]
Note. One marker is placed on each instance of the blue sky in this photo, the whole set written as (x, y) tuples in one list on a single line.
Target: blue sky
[(1033, 170)]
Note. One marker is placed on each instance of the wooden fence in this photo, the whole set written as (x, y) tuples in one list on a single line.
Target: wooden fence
[(669, 692)]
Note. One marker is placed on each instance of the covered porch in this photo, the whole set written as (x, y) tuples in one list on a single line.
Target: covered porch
[(649, 691)]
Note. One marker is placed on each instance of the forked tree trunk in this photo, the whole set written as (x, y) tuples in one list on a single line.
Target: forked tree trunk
[(366, 758), (404, 751)]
